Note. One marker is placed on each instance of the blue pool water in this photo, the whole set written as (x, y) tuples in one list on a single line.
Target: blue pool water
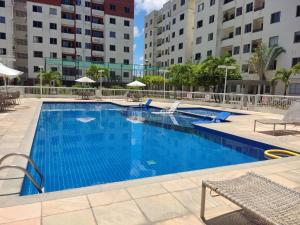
[(83, 144)]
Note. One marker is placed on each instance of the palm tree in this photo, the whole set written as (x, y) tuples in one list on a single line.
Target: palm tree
[(93, 72), (284, 75), (50, 77), (262, 59)]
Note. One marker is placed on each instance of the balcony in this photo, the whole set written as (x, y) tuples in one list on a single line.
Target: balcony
[(258, 26), (228, 34), (228, 15), (227, 50), (67, 8), (255, 44), (259, 5)]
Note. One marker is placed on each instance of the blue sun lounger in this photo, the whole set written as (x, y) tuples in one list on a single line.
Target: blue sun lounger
[(220, 117), (147, 104)]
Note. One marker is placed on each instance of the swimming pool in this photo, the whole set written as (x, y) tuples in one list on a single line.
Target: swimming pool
[(84, 144)]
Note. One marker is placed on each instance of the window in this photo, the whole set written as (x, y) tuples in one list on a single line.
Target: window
[(173, 48), (248, 28), (126, 49), (87, 32), (37, 24), (180, 46), (209, 53), (210, 36), (201, 7), (53, 41), (238, 31), (112, 48), (182, 2), (126, 9), (126, 23), (295, 61), (249, 7), (174, 7), (245, 68), (112, 34), (239, 11), (297, 37), (112, 60), (199, 23), (198, 40), (172, 61), (236, 50), (112, 7), (182, 16), (146, 46), (126, 74), (2, 19), (181, 31), (174, 21), (2, 4), (78, 30), (179, 60), (38, 54), (126, 61), (53, 11), (127, 36), (37, 39), (273, 41), (112, 20), (173, 35), (87, 18), (36, 69), (53, 55), (88, 45), (212, 2), (78, 44), (294, 89), (87, 4), (275, 17), (2, 35), (246, 48), (198, 56), (36, 8), (53, 26), (298, 11), (211, 18)]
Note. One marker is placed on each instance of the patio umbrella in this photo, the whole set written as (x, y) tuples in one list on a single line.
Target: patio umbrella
[(85, 80), (136, 84), (8, 73)]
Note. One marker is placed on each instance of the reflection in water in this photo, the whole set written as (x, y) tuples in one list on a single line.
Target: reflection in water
[(112, 147)]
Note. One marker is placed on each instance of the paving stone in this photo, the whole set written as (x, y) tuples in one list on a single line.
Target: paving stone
[(185, 220), (108, 197), (178, 185), (146, 190)]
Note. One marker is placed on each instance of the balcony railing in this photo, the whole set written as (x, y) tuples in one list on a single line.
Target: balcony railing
[(259, 8), (257, 30)]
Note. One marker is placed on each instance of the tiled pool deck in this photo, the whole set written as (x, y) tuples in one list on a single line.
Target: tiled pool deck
[(165, 200)]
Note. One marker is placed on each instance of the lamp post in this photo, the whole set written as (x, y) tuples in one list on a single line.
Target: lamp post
[(100, 73), (164, 72), (226, 74), (41, 81), (146, 65)]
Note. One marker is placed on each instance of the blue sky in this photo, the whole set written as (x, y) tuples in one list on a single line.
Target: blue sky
[(142, 8)]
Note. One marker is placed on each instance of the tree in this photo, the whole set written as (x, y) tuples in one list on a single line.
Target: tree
[(152, 80), (93, 72), (50, 78), (209, 74), (284, 75), (262, 58)]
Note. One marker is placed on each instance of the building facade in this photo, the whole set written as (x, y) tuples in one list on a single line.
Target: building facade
[(99, 31), (237, 27)]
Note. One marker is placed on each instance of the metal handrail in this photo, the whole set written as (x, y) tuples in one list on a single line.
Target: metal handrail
[(39, 187), (36, 185)]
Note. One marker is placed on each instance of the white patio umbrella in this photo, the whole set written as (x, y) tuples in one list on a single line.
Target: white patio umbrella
[(85, 80), (8, 73), (136, 84)]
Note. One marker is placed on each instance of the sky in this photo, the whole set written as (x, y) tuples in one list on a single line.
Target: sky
[(142, 8)]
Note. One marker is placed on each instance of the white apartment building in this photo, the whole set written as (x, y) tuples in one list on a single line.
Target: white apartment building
[(237, 27), (100, 31), (168, 33)]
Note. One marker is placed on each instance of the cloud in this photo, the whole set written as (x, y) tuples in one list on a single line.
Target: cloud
[(148, 5), (136, 32)]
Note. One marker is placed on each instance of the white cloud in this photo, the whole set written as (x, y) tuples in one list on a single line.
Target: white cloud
[(148, 5), (136, 32)]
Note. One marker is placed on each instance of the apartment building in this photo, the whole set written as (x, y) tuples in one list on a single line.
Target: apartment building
[(169, 33), (96, 30), (237, 27)]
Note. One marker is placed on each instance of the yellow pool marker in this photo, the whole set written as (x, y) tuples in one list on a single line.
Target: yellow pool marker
[(272, 153)]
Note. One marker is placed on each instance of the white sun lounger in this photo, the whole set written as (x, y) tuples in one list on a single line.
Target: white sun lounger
[(171, 110)]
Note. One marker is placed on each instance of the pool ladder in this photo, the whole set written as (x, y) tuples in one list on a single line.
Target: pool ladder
[(38, 186)]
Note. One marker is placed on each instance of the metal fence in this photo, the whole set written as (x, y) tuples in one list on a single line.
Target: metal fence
[(265, 103)]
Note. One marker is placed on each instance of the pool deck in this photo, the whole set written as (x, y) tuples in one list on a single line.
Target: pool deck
[(164, 200)]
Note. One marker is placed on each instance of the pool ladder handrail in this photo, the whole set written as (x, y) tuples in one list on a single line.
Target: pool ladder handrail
[(39, 187)]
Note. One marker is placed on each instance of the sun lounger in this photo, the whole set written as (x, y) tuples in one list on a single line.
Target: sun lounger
[(222, 116), (262, 200), (170, 110), (292, 116), (147, 104)]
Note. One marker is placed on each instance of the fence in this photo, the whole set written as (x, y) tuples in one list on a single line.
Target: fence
[(265, 103)]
